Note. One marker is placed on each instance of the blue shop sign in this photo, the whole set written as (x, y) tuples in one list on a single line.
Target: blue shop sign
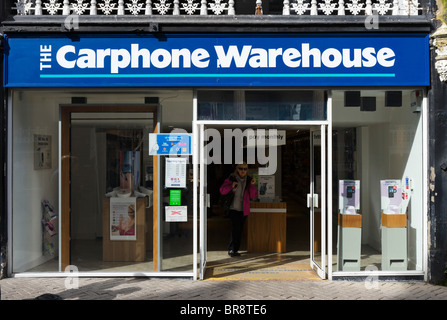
[(169, 144), (218, 60)]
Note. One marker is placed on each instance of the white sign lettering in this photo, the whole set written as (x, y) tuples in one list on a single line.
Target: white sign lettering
[(246, 56)]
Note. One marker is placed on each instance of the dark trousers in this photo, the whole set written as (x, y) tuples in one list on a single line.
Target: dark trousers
[(237, 227)]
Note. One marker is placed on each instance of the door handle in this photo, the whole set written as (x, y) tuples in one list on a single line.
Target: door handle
[(312, 201)]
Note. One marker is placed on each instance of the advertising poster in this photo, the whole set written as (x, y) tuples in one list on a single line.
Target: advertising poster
[(391, 196), (266, 187), (349, 196), (176, 214), (175, 173), (123, 218)]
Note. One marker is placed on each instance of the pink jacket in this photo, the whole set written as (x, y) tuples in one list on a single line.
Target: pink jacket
[(250, 192)]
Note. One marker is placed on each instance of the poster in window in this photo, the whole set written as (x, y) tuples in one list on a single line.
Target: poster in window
[(123, 218), (266, 188), (175, 173), (42, 152), (176, 213)]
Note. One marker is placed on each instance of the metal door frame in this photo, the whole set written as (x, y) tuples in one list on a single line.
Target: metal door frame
[(199, 204), (314, 202), (200, 201)]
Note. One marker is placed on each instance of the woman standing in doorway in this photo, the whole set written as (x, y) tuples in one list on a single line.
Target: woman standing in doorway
[(243, 187)]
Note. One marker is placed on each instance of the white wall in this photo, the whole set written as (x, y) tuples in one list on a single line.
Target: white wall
[(31, 115)]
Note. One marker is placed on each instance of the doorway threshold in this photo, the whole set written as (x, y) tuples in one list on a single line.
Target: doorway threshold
[(261, 266)]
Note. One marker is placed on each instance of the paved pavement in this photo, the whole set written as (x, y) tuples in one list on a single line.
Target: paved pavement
[(180, 298), (184, 289)]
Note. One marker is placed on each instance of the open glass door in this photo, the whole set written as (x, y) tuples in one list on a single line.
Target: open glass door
[(203, 201), (316, 201)]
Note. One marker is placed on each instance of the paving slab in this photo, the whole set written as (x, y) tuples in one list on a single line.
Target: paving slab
[(185, 289)]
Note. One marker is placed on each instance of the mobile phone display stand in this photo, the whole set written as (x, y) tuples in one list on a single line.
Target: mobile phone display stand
[(394, 242), (394, 226), (349, 235)]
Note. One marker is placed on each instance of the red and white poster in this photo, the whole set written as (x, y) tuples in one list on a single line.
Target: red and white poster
[(176, 214)]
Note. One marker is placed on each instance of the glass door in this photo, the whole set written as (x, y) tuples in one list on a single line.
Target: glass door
[(203, 202), (316, 200)]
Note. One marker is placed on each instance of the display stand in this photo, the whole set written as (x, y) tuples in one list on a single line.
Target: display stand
[(349, 241), (266, 230), (349, 235), (394, 203), (394, 242), (125, 250)]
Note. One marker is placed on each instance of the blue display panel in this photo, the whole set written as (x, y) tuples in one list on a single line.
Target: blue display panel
[(218, 61), (169, 144)]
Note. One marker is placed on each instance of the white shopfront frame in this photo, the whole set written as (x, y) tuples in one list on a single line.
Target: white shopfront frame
[(199, 232), (199, 125), (324, 270), (72, 271), (372, 275)]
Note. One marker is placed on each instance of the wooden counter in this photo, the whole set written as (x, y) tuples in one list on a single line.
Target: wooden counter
[(266, 227)]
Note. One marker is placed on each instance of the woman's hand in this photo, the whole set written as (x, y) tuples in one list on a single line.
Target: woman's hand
[(235, 184), (253, 181)]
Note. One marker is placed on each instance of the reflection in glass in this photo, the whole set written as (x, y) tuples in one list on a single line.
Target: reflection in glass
[(109, 161), (262, 105)]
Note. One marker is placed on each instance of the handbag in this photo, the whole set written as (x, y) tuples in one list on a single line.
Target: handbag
[(226, 200)]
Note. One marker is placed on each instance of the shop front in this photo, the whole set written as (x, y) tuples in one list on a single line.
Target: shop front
[(118, 143)]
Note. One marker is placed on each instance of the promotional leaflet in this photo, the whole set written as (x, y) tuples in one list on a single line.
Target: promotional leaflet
[(175, 197), (175, 173)]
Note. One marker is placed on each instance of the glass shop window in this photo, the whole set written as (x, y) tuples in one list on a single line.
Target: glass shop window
[(378, 180)]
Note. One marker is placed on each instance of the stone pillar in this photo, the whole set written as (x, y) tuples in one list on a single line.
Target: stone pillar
[(437, 149)]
